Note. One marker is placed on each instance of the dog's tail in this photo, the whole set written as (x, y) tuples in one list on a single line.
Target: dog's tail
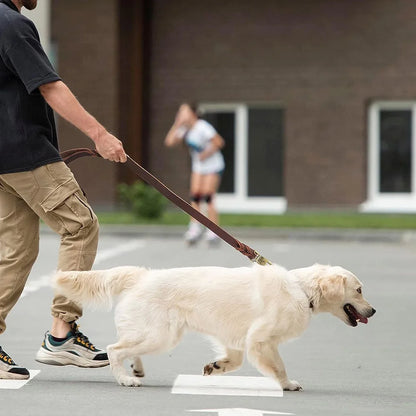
[(96, 287)]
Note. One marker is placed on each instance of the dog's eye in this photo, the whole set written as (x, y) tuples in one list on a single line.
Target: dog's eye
[(359, 290)]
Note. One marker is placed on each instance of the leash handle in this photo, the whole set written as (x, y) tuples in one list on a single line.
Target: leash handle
[(70, 155)]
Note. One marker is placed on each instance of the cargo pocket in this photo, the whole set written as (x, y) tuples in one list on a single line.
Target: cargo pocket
[(66, 209)]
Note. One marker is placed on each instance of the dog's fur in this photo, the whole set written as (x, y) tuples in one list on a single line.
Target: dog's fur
[(250, 309)]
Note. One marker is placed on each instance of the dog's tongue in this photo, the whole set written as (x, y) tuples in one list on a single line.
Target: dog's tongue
[(358, 317)]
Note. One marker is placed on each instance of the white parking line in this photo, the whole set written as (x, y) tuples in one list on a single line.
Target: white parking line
[(17, 384), (240, 412), (226, 386), (102, 256)]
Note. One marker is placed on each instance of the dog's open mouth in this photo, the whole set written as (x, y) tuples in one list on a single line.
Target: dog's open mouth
[(353, 315)]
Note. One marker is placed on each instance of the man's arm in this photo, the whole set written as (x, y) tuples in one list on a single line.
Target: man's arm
[(61, 99)]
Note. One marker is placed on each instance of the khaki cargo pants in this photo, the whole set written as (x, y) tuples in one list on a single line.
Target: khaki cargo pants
[(52, 194)]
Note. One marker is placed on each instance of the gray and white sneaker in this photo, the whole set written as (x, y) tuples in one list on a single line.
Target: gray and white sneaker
[(9, 369), (211, 238), (75, 349), (194, 233)]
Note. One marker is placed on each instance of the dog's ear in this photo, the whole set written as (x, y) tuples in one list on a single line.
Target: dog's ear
[(332, 288)]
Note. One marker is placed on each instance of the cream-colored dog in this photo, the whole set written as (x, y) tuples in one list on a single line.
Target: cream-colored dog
[(250, 309)]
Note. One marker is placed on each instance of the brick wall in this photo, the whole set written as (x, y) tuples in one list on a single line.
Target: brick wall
[(85, 34), (324, 60)]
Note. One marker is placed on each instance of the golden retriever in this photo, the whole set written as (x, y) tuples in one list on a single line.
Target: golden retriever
[(246, 309)]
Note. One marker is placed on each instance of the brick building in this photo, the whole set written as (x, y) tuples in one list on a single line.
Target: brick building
[(315, 99)]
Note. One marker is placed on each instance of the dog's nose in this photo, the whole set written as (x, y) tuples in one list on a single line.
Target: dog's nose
[(373, 311)]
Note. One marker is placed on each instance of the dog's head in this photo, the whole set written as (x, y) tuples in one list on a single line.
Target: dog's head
[(341, 293)]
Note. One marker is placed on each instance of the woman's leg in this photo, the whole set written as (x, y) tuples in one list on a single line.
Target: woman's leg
[(194, 231), (209, 187), (195, 190)]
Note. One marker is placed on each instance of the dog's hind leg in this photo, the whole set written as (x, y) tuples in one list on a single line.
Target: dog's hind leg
[(137, 367), (159, 339), (266, 358), (231, 362), (117, 353)]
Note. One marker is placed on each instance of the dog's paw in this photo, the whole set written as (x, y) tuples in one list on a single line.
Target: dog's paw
[(292, 385), (213, 368), (129, 381)]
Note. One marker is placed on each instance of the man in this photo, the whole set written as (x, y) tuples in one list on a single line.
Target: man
[(35, 183)]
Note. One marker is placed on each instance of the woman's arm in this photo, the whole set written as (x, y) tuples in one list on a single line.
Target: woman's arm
[(173, 137), (177, 131), (61, 99), (216, 143)]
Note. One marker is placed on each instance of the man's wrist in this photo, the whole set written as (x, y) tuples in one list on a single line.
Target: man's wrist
[(96, 132)]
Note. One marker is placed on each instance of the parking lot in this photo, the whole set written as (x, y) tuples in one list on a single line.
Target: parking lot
[(368, 370)]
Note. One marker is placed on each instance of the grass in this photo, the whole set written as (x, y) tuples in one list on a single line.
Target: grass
[(301, 220)]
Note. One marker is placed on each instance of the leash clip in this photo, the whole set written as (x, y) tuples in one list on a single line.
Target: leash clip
[(259, 259)]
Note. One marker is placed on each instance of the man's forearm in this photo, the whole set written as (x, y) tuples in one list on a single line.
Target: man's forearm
[(61, 99)]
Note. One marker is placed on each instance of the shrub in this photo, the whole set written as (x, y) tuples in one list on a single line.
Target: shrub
[(142, 199)]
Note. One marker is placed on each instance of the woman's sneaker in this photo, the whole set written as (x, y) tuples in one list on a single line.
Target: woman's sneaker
[(211, 238), (75, 349), (194, 233), (9, 369)]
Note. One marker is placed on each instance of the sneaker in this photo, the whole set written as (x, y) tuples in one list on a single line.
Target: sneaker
[(194, 233), (211, 237), (75, 349), (9, 369)]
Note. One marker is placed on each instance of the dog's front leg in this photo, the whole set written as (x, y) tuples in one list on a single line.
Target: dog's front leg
[(266, 358), (230, 362)]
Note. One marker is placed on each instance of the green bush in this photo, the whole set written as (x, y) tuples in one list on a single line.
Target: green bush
[(142, 199)]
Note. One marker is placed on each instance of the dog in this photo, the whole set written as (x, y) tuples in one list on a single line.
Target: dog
[(246, 309)]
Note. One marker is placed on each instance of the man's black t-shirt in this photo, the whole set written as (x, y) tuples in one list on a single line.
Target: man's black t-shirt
[(27, 128)]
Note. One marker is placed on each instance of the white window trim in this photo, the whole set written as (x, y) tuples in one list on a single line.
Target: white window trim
[(387, 202), (239, 201)]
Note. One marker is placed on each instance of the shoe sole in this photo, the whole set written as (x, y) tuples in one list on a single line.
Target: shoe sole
[(193, 241), (62, 359), (5, 375)]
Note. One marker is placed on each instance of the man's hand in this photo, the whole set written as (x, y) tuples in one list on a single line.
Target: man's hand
[(109, 147)]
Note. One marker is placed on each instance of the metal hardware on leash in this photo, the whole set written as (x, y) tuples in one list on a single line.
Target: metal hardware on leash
[(69, 155), (261, 260)]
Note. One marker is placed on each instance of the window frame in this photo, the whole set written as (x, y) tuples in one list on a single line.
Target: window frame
[(239, 201), (395, 202)]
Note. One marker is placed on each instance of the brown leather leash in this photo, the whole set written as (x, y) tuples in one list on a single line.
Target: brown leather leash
[(70, 155)]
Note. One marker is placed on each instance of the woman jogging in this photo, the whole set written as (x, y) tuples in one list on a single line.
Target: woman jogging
[(207, 165)]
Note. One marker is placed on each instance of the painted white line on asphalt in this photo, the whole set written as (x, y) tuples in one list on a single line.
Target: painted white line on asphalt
[(240, 412), (110, 253), (102, 256), (17, 384), (226, 386)]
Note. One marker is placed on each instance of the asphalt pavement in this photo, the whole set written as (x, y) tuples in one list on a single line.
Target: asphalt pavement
[(368, 370)]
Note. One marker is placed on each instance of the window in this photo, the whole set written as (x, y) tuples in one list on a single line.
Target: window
[(224, 123), (265, 152), (392, 161), (253, 178), (395, 151)]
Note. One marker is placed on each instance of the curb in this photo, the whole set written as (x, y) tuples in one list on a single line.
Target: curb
[(329, 234)]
